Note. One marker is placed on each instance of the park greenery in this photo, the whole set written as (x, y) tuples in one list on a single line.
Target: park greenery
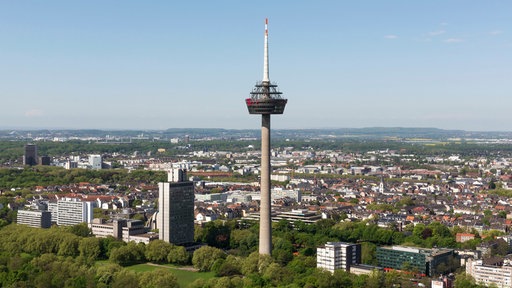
[(11, 151), (70, 255), (51, 176)]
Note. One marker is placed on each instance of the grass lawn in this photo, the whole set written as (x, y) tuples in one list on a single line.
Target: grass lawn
[(184, 277)]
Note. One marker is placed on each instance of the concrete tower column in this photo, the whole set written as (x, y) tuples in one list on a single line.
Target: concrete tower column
[(265, 100), (265, 209)]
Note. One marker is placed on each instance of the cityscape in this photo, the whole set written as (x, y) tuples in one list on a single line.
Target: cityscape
[(102, 194)]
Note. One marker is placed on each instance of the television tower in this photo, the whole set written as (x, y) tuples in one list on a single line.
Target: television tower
[(265, 100)]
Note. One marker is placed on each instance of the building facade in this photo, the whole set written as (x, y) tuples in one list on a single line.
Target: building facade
[(30, 155), (338, 255), (72, 211), (463, 237), (500, 275), (45, 160), (38, 219), (95, 161), (122, 229), (175, 220), (419, 260)]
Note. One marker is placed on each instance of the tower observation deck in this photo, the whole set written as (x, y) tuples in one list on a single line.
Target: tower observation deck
[(266, 97)]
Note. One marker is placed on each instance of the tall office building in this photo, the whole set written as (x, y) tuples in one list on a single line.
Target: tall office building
[(30, 155), (175, 220), (338, 255), (265, 100)]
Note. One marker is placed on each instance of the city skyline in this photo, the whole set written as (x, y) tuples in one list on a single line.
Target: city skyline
[(159, 65)]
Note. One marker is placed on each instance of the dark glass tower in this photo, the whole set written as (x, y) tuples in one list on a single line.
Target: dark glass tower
[(30, 156)]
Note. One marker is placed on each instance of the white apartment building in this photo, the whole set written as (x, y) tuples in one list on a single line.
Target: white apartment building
[(38, 219), (95, 161), (338, 255), (72, 211), (501, 276)]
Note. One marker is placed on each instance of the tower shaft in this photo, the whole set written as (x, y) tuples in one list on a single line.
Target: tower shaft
[(265, 205), (265, 100)]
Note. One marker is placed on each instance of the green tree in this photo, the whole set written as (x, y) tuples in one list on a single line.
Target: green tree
[(244, 240), (216, 234), (178, 255), (89, 248), (105, 274), (81, 230), (205, 256), (69, 246), (464, 280), (277, 275), (250, 263), (228, 267), (125, 279), (368, 253), (129, 254), (160, 278), (282, 250), (158, 250)]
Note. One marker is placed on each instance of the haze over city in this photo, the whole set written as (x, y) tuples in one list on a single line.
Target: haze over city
[(162, 64)]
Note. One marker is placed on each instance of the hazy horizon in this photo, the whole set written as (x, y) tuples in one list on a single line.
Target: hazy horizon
[(13, 128)]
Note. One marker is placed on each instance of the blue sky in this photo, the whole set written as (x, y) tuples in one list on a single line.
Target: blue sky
[(185, 64)]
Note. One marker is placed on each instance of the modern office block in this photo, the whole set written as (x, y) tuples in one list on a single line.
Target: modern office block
[(420, 260), (175, 220)]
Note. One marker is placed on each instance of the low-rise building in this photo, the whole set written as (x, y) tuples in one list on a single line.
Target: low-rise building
[(420, 260), (303, 215), (38, 219), (360, 269), (122, 229), (463, 237)]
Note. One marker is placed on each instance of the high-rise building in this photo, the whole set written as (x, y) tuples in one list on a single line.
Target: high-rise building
[(175, 220), (30, 156), (72, 211), (95, 161), (265, 100), (338, 255)]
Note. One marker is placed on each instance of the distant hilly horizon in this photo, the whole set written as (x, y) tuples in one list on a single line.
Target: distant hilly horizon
[(394, 128), (367, 132)]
